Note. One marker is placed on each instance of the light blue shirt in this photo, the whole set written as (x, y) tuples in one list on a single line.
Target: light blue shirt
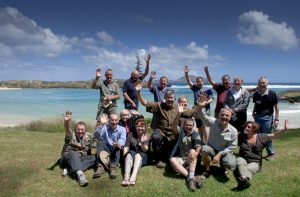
[(110, 136)]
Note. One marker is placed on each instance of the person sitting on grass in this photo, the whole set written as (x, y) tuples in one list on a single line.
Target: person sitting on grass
[(250, 155), (221, 142), (111, 139), (128, 118), (185, 153), (136, 152), (75, 155)]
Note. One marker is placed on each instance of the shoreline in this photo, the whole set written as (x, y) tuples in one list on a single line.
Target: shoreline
[(6, 88)]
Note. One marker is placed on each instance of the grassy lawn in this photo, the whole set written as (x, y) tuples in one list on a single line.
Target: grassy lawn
[(25, 157)]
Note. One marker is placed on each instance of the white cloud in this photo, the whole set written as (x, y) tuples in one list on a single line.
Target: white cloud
[(24, 36), (256, 28), (165, 60)]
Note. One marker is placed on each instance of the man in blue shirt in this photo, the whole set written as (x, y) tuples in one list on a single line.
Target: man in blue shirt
[(111, 139)]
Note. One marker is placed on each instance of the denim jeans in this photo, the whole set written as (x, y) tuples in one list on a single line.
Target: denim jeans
[(266, 123)]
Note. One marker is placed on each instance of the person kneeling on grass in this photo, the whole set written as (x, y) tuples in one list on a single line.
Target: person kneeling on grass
[(184, 155), (250, 155), (136, 152), (111, 139), (76, 156)]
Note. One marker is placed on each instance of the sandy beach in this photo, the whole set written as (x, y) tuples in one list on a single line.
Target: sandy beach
[(6, 88)]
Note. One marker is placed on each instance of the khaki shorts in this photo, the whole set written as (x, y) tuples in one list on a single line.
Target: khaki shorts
[(182, 161)]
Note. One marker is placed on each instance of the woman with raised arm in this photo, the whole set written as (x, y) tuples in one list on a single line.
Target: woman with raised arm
[(135, 152), (251, 146)]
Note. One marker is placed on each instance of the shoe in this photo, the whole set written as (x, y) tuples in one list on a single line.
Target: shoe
[(125, 183), (191, 185), (206, 174), (82, 180), (161, 164), (64, 172), (270, 157), (112, 172), (245, 182), (100, 170), (198, 182)]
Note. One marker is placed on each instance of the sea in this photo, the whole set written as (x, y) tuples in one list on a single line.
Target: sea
[(21, 106)]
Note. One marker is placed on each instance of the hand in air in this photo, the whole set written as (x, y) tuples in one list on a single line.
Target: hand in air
[(67, 116), (98, 73)]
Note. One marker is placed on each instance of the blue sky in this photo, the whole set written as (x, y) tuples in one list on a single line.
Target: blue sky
[(67, 40)]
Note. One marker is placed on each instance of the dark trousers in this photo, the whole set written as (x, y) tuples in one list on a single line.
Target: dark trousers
[(74, 161), (162, 147), (239, 122), (113, 152)]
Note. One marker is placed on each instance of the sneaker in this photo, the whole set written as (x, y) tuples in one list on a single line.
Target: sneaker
[(82, 180), (161, 164), (191, 185), (198, 182), (270, 157), (206, 174), (112, 172), (100, 170)]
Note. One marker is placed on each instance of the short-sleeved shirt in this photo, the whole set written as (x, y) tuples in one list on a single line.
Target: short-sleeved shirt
[(72, 143), (107, 89), (129, 88), (221, 94), (252, 152), (264, 103), (185, 143), (167, 118), (159, 93)]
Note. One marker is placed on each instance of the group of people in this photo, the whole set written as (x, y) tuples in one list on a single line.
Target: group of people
[(126, 140)]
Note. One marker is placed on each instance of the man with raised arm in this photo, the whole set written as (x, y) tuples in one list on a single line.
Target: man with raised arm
[(198, 90), (109, 93), (76, 154), (129, 92), (166, 132), (111, 139), (221, 90)]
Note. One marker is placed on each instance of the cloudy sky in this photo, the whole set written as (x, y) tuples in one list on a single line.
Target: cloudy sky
[(68, 39)]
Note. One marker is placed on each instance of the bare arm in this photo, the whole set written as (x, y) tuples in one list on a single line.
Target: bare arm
[(209, 78), (278, 133), (276, 121), (152, 76), (138, 88), (147, 67), (186, 74), (127, 98), (98, 76)]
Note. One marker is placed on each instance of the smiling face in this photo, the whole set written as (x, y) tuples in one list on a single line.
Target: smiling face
[(238, 81), (226, 81), (124, 115), (262, 84), (135, 76), (224, 117), (163, 82), (108, 76), (199, 82), (188, 126), (169, 98), (140, 127), (80, 130), (113, 121)]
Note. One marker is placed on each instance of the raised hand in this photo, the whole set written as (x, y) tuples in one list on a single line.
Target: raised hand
[(147, 59), (145, 137), (103, 119), (98, 73), (206, 69), (138, 85), (67, 116), (286, 123), (186, 69), (202, 100), (153, 74)]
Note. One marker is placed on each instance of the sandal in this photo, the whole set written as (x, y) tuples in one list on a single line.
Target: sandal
[(132, 183), (125, 183)]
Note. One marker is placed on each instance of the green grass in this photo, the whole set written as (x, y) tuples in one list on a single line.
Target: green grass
[(25, 157)]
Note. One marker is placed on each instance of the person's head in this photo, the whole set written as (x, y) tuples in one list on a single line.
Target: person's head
[(80, 129), (170, 98), (238, 82), (141, 126), (251, 128), (226, 81), (188, 125), (108, 75), (262, 83), (200, 82), (163, 81), (224, 116), (113, 120), (124, 115), (134, 76), (183, 101)]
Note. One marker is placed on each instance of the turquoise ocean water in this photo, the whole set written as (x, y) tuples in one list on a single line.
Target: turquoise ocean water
[(20, 106)]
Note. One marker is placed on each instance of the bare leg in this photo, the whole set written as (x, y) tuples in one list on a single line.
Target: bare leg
[(128, 166), (178, 167), (136, 166), (206, 160)]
